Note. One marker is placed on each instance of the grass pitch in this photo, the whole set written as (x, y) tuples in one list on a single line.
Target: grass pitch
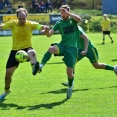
[(94, 93)]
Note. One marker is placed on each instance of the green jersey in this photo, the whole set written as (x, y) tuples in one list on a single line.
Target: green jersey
[(80, 43), (67, 29)]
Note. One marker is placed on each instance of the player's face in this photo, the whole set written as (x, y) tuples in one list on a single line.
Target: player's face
[(105, 17), (64, 15), (22, 18)]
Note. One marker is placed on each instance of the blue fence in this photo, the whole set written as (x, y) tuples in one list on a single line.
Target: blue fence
[(109, 7), (9, 32)]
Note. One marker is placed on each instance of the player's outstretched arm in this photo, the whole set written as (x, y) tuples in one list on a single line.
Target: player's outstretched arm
[(42, 27), (49, 33), (46, 30), (86, 42), (75, 17)]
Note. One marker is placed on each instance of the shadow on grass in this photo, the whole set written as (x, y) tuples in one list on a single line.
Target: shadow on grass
[(114, 60), (99, 44), (56, 63), (108, 87), (65, 90), (74, 90), (47, 106), (4, 106)]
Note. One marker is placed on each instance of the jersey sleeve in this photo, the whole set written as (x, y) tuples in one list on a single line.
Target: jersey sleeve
[(36, 26), (109, 21), (81, 31), (56, 26), (75, 22), (8, 25)]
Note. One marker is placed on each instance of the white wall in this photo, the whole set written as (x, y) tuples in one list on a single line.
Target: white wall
[(8, 32)]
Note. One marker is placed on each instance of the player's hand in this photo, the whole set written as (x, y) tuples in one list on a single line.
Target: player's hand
[(83, 53), (43, 32), (64, 10), (47, 28)]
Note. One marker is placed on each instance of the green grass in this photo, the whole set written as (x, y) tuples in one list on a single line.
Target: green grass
[(94, 94)]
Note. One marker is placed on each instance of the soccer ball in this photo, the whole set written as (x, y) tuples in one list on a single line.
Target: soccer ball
[(21, 56)]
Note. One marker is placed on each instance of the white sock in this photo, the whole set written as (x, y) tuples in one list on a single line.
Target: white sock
[(41, 66)]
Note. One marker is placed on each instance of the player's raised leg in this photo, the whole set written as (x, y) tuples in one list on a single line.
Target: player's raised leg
[(98, 65), (33, 61), (52, 50), (115, 70)]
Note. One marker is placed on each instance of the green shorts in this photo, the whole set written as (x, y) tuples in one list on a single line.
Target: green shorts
[(91, 54), (69, 53)]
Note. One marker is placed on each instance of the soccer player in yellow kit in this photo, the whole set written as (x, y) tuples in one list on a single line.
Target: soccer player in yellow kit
[(21, 37), (106, 28)]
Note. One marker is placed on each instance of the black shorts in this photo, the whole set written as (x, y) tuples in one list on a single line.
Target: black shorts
[(106, 32), (11, 62)]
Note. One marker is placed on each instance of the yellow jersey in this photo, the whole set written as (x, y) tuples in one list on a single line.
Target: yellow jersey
[(106, 25), (21, 35)]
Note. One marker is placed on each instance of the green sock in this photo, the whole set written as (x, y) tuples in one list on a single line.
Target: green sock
[(70, 82), (46, 57), (108, 67)]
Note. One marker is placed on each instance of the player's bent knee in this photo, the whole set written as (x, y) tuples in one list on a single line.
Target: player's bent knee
[(8, 75), (96, 67), (53, 50), (70, 75), (31, 52)]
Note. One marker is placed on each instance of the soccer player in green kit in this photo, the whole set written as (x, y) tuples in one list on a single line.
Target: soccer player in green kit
[(87, 49), (67, 27)]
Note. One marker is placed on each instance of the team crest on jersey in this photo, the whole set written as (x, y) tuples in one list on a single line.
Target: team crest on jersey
[(70, 21), (26, 27)]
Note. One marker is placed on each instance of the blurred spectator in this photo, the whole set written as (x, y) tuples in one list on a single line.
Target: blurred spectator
[(7, 3), (20, 4), (42, 4), (36, 5), (7, 7), (1, 5), (48, 6)]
